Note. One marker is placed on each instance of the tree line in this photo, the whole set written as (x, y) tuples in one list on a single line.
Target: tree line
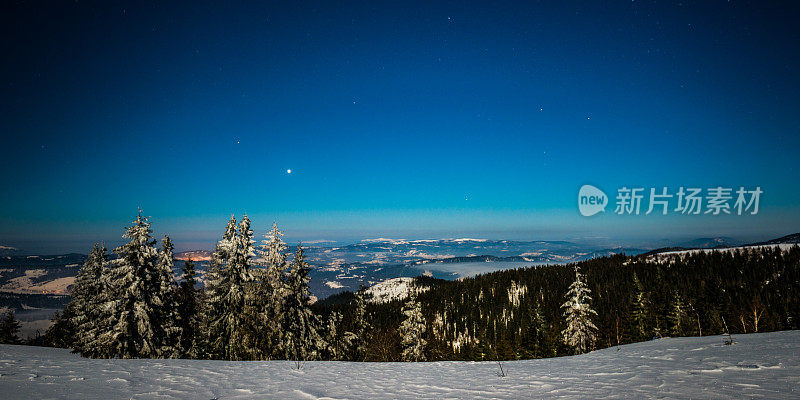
[(558, 310), (255, 305)]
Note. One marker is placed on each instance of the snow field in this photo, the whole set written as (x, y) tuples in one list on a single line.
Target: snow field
[(763, 365)]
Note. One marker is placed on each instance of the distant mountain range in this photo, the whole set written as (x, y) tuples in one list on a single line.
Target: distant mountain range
[(709, 243), (788, 239)]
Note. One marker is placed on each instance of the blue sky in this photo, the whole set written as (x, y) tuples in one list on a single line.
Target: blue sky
[(405, 120)]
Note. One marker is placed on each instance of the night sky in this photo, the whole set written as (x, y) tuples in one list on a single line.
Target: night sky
[(396, 119)]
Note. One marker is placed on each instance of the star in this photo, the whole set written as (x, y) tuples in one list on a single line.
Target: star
[(288, 171)]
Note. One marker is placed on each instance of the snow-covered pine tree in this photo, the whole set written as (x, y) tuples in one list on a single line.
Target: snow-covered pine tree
[(243, 253), (361, 325), (228, 323), (301, 338), (337, 341), (136, 303), (170, 319), (86, 318), (272, 251), (221, 255), (188, 311), (103, 340), (580, 333), (241, 268), (266, 300), (412, 331), (213, 332)]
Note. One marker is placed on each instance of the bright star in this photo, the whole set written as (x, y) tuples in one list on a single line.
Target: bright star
[(288, 171)]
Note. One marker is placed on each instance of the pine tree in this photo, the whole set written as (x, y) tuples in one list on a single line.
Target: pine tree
[(338, 342), (301, 339), (412, 331), (167, 293), (61, 332), (272, 251), (9, 329), (267, 296), (639, 317), (86, 318), (535, 340), (227, 323), (677, 315), (188, 310), (361, 326), (139, 308), (214, 339), (580, 333), (243, 252)]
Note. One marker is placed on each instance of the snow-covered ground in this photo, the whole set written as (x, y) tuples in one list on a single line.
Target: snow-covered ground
[(765, 365)]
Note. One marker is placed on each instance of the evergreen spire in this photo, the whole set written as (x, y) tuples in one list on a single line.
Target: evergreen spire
[(267, 297), (272, 251), (337, 341), (639, 314), (139, 307), (677, 314), (535, 340), (580, 333), (301, 339), (167, 292), (226, 313), (362, 327), (86, 318), (412, 331), (188, 310), (9, 329)]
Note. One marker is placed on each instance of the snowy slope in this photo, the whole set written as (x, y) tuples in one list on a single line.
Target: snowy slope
[(393, 289), (763, 365)]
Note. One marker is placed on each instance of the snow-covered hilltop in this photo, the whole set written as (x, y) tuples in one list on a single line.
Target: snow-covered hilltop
[(757, 365), (706, 245), (782, 247), (665, 256)]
